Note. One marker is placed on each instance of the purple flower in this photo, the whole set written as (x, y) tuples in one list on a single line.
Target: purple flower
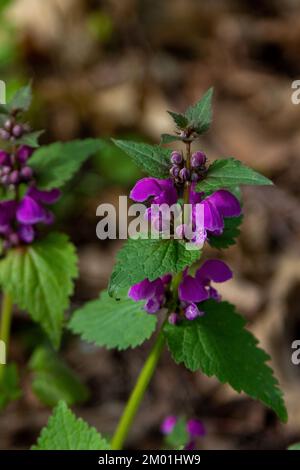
[(151, 291), (160, 191), (31, 211), (193, 290), (218, 205), (4, 158), (17, 219), (168, 424), (23, 153), (194, 429)]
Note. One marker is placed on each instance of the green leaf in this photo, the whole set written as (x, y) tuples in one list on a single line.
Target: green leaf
[(53, 380), (148, 258), (200, 114), (230, 172), (180, 120), (230, 233), (179, 437), (31, 139), (218, 344), (168, 138), (21, 100), (9, 386), (113, 323), (40, 279), (294, 446), (56, 163), (66, 432), (153, 159)]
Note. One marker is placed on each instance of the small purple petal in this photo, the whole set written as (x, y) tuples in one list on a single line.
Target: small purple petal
[(191, 290), (195, 428), (168, 424), (7, 212), (226, 203), (26, 233), (145, 188), (23, 153), (212, 217), (142, 290), (214, 270), (30, 212), (4, 158), (191, 312), (46, 197)]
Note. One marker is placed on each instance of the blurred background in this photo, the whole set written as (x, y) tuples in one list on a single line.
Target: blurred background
[(112, 68)]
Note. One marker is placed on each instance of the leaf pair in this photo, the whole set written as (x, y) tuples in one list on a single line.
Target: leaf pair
[(216, 344)]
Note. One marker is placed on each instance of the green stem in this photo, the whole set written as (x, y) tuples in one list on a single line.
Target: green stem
[(138, 393), (6, 311)]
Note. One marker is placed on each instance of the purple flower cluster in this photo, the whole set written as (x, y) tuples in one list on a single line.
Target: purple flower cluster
[(19, 214), (13, 167), (215, 207), (192, 290), (18, 220), (179, 171), (194, 429)]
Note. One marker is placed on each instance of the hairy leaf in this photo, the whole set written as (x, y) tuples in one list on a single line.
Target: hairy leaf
[(66, 432), (148, 258), (153, 159), (56, 163), (40, 279), (53, 380), (200, 114), (230, 233), (218, 344), (230, 172)]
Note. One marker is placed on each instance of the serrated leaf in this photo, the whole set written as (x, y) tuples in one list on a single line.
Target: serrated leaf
[(230, 233), (153, 159), (10, 385), (53, 380), (21, 100), (66, 432), (40, 278), (113, 323), (168, 138), (230, 172), (200, 114), (56, 163), (149, 258), (180, 120), (218, 344), (31, 139), (294, 446)]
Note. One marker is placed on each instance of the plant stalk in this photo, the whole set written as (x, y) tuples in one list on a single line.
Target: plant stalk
[(6, 312), (138, 393)]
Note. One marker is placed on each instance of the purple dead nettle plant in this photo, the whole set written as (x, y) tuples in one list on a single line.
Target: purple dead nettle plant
[(37, 266), (161, 286)]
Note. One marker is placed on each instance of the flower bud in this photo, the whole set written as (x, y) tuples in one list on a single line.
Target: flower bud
[(5, 179), (14, 177), (191, 312), (8, 124), (4, 135), (6, 170), (26, 173), (198, 159), (173, 318), (195, 177), (17, 130), (176, 158), (184, 174), (174, 171), (23, 153)]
